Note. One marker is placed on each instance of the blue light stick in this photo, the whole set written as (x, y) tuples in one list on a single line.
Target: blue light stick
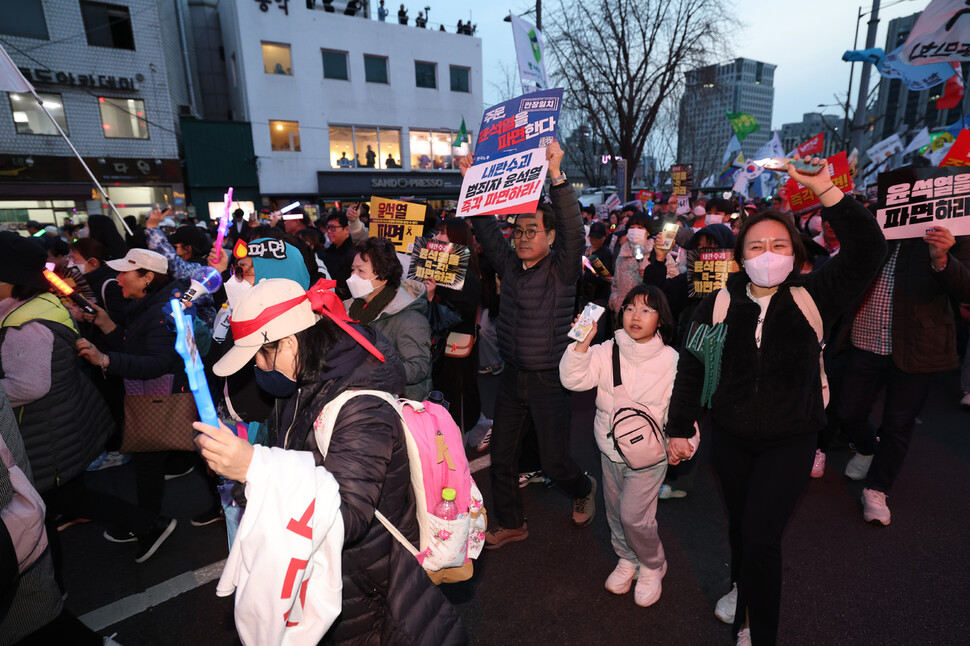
[(185, 346)]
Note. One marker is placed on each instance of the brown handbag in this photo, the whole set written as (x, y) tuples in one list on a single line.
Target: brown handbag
[(458, 345), (159, 423)]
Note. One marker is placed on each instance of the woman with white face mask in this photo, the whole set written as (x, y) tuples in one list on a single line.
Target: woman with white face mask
[(767, 406), (632, 259)]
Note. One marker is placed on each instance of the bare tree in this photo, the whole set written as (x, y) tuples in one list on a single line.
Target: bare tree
[(507, 87), (621, 61)]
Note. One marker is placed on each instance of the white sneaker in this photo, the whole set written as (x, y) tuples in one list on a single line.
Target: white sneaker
[(874, 507), (727, 606), (621, 578), (858, 467), (744, 637), (648, 587), (965, 401), (818, 467)]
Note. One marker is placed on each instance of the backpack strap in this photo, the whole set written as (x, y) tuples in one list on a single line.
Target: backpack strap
[(104, 287), (617, 381), (722, 301), (809, 310)]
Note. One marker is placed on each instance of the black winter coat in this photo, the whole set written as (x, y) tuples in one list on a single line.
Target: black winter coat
[(387, 596), (774, 393), (539, 303)]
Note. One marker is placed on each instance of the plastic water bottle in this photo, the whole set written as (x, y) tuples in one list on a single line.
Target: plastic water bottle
[(220, 326), (446, 508)]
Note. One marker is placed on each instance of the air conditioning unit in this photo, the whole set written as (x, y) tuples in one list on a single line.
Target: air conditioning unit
[(185, 111)]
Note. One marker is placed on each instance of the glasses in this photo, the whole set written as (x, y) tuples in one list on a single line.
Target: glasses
[(239, 272), (643, 311), (333, 227), (528, 234)]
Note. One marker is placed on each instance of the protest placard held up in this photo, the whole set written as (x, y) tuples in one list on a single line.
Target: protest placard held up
[(911, 200), (401, 222)]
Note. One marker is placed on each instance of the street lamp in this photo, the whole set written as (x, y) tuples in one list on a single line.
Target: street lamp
[(537, 11)]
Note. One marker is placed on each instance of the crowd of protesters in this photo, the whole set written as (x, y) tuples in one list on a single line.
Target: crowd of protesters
[(768, 403)]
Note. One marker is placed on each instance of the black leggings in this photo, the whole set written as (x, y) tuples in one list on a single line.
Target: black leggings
[(762, 483)]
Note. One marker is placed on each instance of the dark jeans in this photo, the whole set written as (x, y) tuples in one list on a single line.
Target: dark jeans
[(761, 485), (457, 379), (535, 398), (866, 374)]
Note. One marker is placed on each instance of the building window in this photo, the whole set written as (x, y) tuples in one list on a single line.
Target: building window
[(375, 69), (365, 147), (424, 75), (284, 135), (432, 149), (107, 25), (31, 120), (123, 118), (23, 18), (276, 59), (335, 65), (459, 79)]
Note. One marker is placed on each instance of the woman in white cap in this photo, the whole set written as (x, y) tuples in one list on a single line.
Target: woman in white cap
[(306, 360), (141, 350)]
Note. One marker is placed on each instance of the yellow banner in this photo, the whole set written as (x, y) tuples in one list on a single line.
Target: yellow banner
[(401, 222)]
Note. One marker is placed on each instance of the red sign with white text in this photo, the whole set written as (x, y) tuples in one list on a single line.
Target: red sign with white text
[(959, 154), (802, 199), (813, 146)]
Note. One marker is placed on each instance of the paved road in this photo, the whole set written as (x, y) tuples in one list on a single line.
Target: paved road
[(846, 582)]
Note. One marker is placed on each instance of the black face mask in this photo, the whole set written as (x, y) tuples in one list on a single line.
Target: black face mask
[(275, 382)]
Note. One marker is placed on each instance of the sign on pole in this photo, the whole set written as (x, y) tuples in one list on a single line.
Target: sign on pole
[(530, 52)]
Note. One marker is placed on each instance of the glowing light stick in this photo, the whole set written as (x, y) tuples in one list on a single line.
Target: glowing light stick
[(205, 280), (185, 346), (65, 289), (223, 224)]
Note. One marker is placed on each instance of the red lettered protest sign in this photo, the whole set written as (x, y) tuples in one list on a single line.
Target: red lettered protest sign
[(508, 185), (959, 154), (813, 146), (911, 200), (802, 199)]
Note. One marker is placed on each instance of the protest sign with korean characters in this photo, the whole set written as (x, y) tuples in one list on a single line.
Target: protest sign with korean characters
[(401, 222), (445, 262), (523, 123), (682, 180), (911, 200), (708, 270), (507, 185), (802, 199)]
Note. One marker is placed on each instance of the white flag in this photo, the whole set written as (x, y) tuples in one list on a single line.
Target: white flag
[(885, 149), (939, 34), (531, 55), (937, 156), (733, 146), (11, 80), (771, 149), (921, 139), (741, 184)]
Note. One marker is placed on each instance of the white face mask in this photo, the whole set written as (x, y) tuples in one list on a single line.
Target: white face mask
[(235, 290), (359, 287), (714, 218), (769, 269), (636, 236), (84, 232)]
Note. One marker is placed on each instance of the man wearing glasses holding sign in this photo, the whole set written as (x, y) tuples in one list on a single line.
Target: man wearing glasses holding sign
[(538, 299)]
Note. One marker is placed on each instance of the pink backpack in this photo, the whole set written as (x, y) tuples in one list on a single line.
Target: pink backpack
[(437, 459)]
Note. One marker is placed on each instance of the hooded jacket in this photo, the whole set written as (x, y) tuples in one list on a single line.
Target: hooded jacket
[(387, 597)]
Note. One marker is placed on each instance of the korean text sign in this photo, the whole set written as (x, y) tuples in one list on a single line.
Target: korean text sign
[(401, 222), (506, 185), (802, 199), (708, 270), (682, 181), (911, 200), (445, 262), (526, 122)]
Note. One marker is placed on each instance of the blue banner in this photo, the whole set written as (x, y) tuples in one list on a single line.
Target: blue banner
[(916, 77), (874, 56), (524, 123)]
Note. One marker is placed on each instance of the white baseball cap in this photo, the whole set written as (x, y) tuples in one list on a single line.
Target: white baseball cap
[(141, 259), (275, 308)]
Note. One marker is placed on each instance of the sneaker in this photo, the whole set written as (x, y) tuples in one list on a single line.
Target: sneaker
[(727, 606), (585, 508), (213, 515), (499, 536), (118, 535), (153, 539), (648, 587), (486, 440), (744, 637), (818, 467), (667, 492), (621, 578), (485, 370), (498, 368), (874, 507), (532, 477), (185, 472), (858, 467), (965, 402)]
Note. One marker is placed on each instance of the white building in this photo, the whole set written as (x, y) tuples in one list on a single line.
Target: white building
[(347, 107), (100, 70)]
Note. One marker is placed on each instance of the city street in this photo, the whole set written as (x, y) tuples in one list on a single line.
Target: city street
[(846, 582)]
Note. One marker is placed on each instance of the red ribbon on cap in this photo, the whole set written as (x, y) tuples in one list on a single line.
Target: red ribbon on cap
[(242, 329), (326, 303)]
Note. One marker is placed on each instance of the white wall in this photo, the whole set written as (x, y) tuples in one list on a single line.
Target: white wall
[(315, 102)]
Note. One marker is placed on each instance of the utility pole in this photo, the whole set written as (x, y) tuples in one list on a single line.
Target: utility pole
[(539, 15), (858, 123)]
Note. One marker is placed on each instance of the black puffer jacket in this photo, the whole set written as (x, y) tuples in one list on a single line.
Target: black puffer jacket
[(774, 393), (387, 597), (538, 304)]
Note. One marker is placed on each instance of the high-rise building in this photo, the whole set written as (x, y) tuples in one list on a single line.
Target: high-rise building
[(741, 85), (795, 134)]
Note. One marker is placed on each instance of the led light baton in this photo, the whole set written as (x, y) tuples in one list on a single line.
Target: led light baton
[(289, 207), (185, 346), (65, 289), (223, 224)]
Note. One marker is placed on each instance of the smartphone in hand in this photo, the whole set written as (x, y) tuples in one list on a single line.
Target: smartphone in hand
[(581, 329), (781, 164)]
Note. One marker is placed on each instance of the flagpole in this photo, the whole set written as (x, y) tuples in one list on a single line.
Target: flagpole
[(104, 194)]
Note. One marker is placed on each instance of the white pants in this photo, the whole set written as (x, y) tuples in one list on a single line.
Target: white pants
[(631, 511)]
